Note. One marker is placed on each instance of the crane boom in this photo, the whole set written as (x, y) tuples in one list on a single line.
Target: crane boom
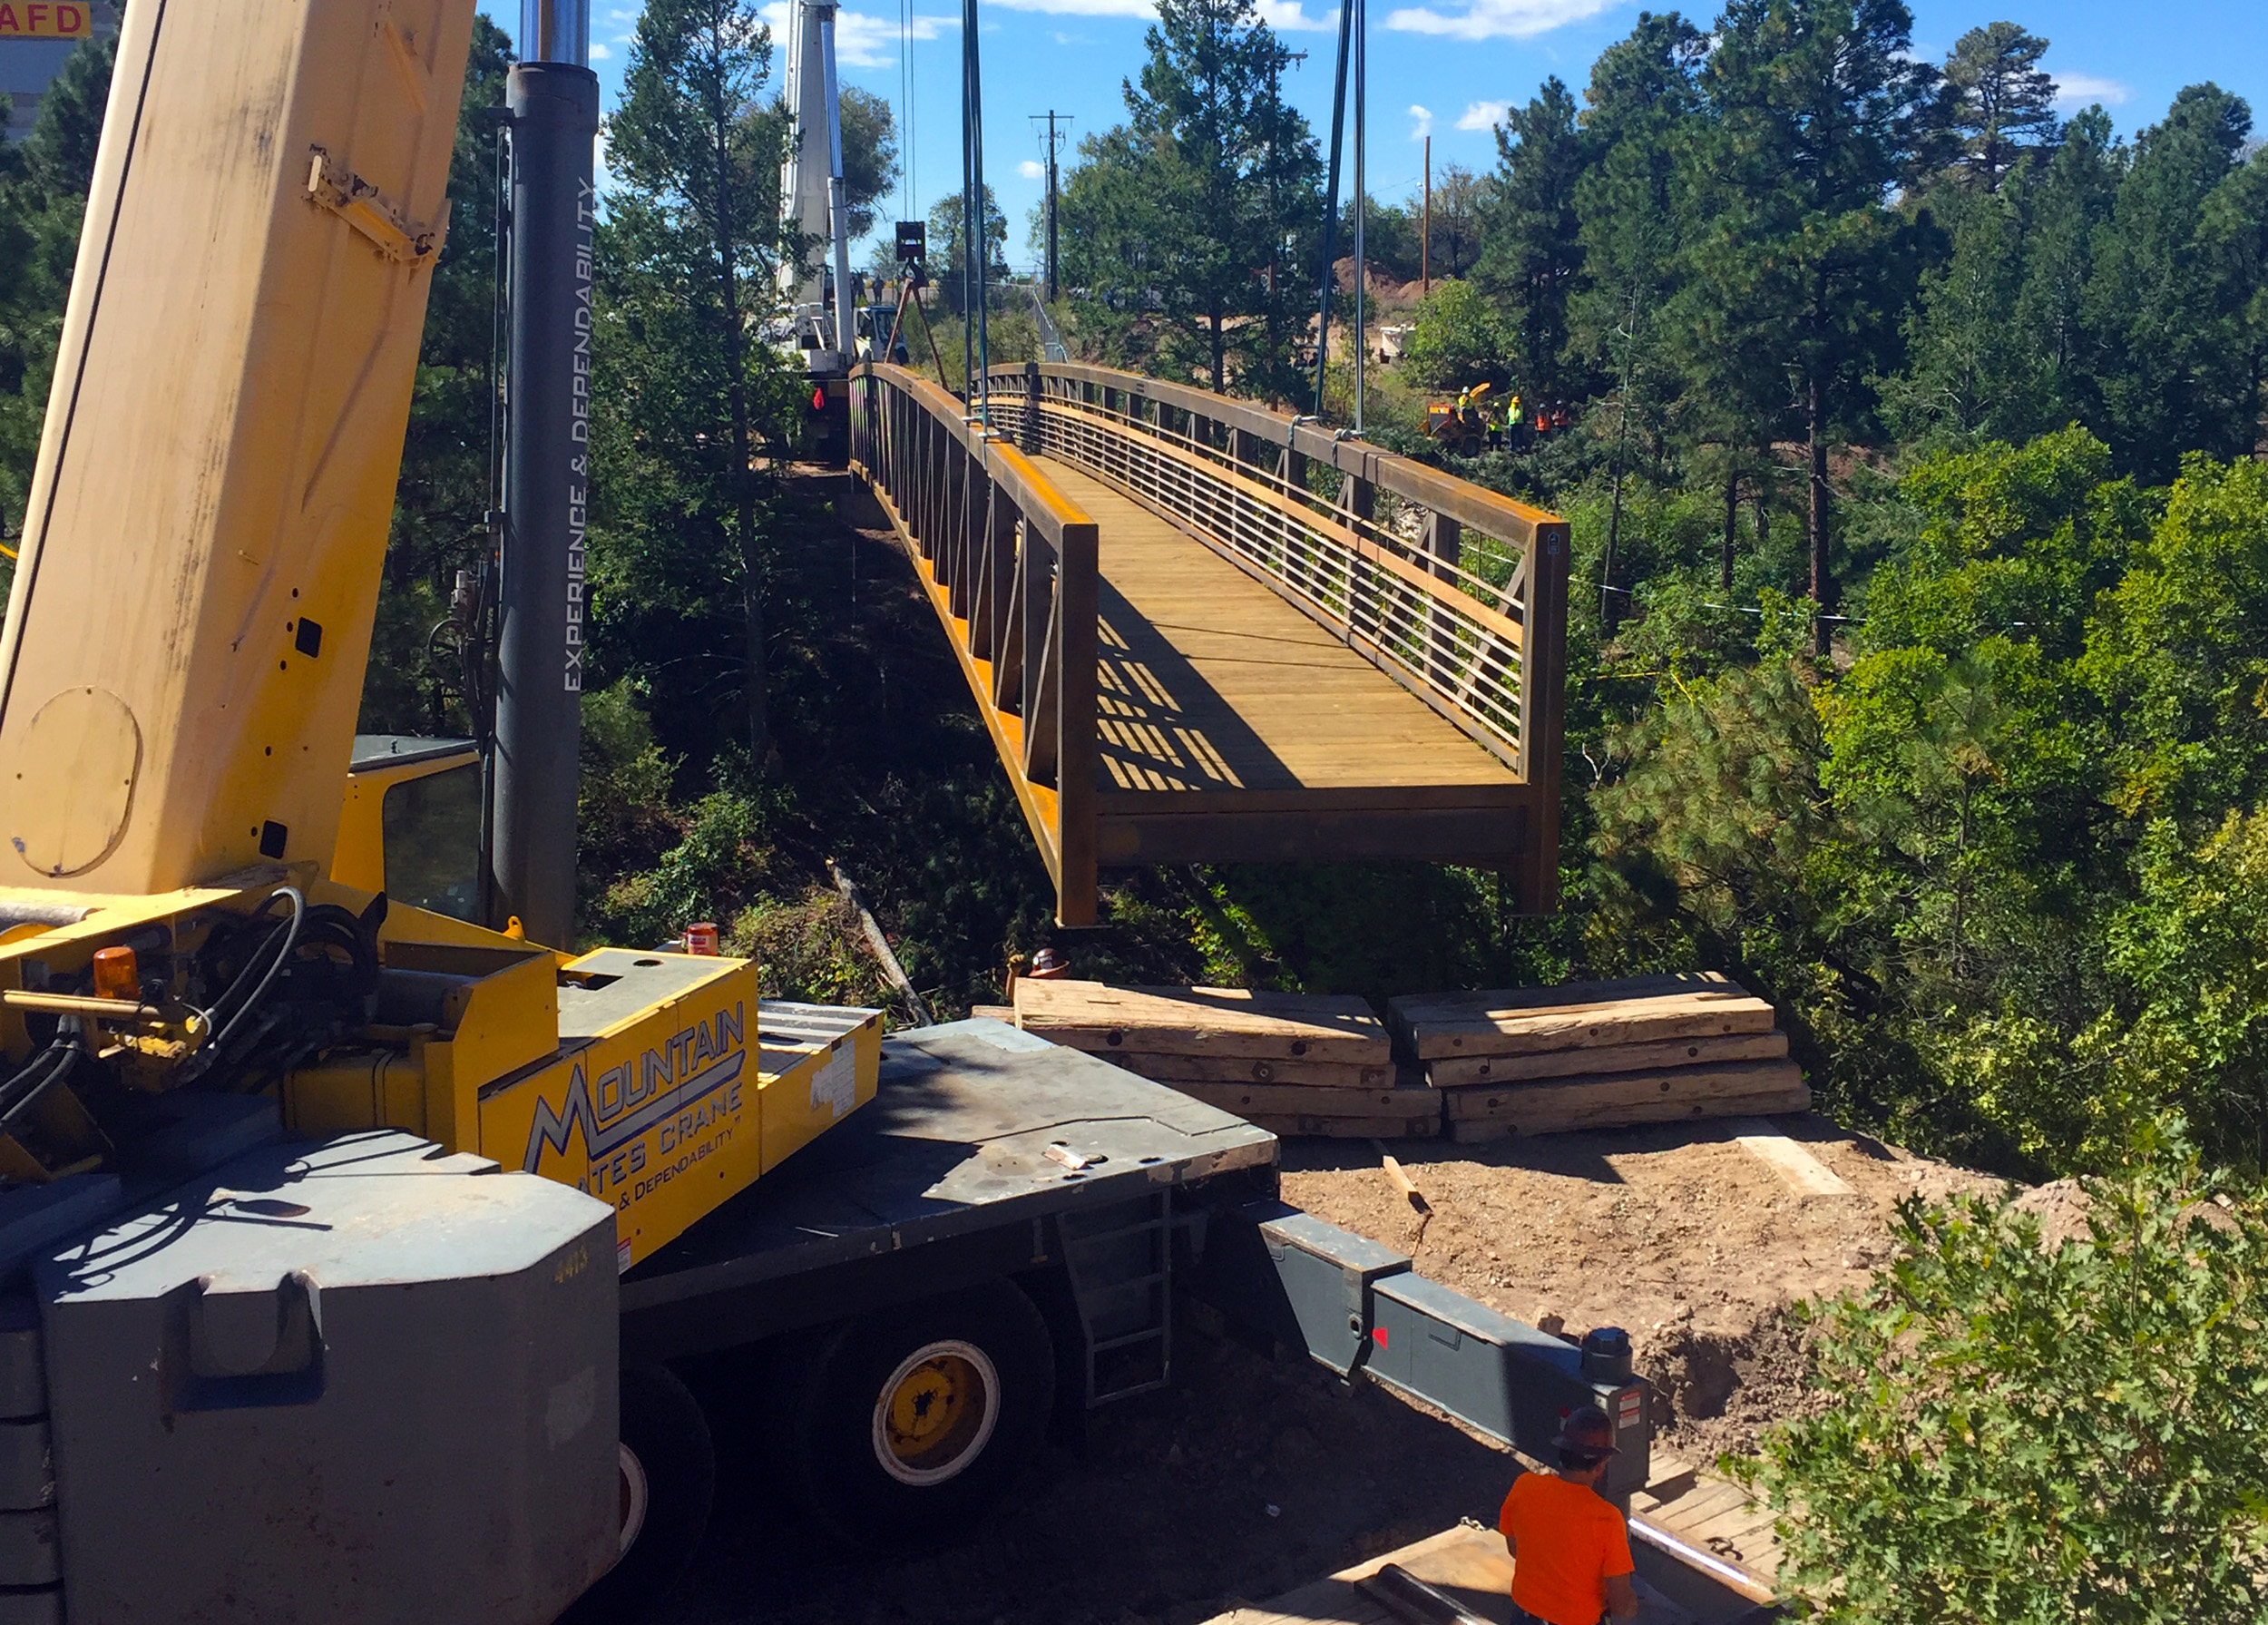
[(813, 203), (185, 639)]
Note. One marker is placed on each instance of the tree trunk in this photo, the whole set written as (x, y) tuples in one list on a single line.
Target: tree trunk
[(1731, 530), (1220, 372), (743, 476), (1815, 437)]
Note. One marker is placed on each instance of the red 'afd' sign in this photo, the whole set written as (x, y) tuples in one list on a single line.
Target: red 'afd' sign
[(45, 20)]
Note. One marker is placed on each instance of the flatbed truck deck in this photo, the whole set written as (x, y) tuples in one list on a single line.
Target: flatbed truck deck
[(978, 1139), (1008, 1205)]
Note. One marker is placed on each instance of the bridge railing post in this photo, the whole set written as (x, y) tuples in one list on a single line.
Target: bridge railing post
[(1542, 699), (1031, 408), (1443, 542)]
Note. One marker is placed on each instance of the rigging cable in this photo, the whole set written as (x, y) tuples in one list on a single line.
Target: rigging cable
[(906, 107), (1331, 197)]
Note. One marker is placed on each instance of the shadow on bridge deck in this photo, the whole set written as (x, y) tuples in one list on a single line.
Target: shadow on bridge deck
[(1262, 675)]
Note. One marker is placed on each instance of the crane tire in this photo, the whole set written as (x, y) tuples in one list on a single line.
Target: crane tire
[(669, 1482), (907, 1423)]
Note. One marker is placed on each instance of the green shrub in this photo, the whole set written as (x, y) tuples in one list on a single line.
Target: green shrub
[(1458, 339), (2020, 1430)]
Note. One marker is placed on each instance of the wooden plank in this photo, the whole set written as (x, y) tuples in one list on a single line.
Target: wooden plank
[(1565, 995), (1300, 1100), (1706, 1500), (1348, 1128), (1203, 1021), (1430, 1023), (1677, 1084), (1455, 1070), (1239, 1069), (1805, 1174), (1625, 1022), (1730, 1521), (1478, 1132)]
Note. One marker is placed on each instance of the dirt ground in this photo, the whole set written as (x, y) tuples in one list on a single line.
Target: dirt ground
[(1678, 1234), (1251, 1476)]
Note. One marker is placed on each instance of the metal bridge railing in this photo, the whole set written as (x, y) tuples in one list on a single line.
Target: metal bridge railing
[(1009, 565), (1457, 593)]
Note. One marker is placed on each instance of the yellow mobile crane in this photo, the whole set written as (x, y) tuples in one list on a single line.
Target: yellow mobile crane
[(183, 654), (347, 1239)]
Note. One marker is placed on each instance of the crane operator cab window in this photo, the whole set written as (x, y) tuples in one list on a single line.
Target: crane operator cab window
[(412, 823)]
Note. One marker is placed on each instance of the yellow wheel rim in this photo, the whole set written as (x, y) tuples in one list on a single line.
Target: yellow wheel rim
[(935, 1413)]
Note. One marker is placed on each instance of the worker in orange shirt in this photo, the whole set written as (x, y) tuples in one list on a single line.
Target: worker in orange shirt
[(1570, 1547)]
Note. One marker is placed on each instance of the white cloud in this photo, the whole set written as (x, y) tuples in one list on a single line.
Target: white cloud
[(1421, 121), (861, 39), (599, 53), (1290, 16), (2084, 90), (1484, 115), (1069, 39), (1493, 19), (1031, 169), (622, 16)]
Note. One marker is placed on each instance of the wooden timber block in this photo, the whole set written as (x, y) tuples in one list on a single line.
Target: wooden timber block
[(1348, 1128), (999, 1012), (1236, 1069), (1203, 1021), (1535, 1020), (1805, 1174), (1457, 1071), (1300, 1100), (1684, 1086), (1480, 1131)]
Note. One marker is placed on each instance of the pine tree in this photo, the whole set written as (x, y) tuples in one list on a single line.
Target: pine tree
[(1995, 104), (694, 240), (1173, 221), (2168, 386), (1971, 370), (1816, 105), (1531, 254), (2235, 238), (2067, 204)]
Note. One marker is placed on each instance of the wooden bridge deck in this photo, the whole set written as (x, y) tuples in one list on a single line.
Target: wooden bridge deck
[(1210, 681), (1185, 652)]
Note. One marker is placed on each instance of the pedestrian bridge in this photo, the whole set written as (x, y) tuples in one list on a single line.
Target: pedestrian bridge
[(1203, 631)]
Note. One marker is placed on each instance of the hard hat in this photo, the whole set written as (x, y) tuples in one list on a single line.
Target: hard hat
[(1585, 1432)]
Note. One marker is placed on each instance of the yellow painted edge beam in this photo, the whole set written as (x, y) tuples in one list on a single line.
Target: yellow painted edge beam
[(1041, 805)]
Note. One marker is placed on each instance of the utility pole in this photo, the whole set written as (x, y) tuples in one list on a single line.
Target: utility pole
[(1054, 264), (1361, 70), (1425, 230)]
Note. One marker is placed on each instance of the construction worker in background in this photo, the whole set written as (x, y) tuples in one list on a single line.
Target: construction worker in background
[(1048, 966), (1570, 1547)]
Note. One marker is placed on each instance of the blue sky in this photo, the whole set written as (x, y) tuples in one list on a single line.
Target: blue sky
[(1447, 65)]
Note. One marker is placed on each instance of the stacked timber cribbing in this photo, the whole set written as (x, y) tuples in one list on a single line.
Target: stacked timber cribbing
[(1293, 1063), (1600, 1054)]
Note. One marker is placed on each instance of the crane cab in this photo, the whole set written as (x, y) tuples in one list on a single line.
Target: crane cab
[(411, 824)]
